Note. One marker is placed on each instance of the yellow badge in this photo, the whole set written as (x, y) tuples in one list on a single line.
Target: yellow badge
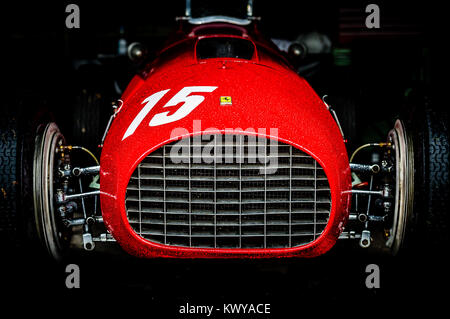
[(225, 100)]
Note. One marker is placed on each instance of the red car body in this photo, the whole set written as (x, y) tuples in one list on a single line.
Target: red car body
[(266, 93)]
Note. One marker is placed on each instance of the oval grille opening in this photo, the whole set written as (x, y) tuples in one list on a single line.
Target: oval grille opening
[(228, 191)]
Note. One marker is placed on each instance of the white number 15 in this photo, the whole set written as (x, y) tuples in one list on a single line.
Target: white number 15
[(190, 102)]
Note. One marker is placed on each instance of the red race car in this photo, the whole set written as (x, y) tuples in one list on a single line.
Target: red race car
[(219, 149)]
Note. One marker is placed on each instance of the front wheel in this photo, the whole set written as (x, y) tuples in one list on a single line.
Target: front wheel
[(420, 217), (48, 156), (401, 197), (403, 152), (28, 171)]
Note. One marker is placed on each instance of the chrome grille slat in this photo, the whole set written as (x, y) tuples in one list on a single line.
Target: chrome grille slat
[(226, 235), (215, 196), (144, 211), (224, 157), (221, 201), (190, 196), (225, 167), (270, 223), (165, 199), (226, 190), (315, 199), (290, 197), (220, 204), (139, 200), (240, 190), (245, 210), (230, 178), (265, 194)]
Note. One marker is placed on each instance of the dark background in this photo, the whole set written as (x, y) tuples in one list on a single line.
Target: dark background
[(379, 70), (408, 54)]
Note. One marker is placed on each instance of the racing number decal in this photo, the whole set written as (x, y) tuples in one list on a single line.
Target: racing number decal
[(150, 103), (190, 102)]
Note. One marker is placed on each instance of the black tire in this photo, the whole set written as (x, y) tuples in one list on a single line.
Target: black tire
[(18, 129), (10, 192), (431, 179)]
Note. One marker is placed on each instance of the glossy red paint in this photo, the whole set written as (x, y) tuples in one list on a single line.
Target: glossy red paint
[(265, 94)]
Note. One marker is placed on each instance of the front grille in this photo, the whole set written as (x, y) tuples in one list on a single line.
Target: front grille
[(228, 191)]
